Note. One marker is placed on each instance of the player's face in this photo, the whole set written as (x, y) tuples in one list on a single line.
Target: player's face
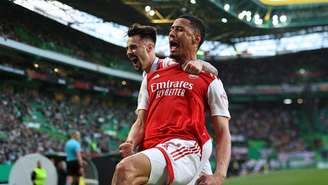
[(137, 53), (182, 40)]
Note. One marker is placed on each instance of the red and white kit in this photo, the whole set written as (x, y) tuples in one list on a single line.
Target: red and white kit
[(175, 130)]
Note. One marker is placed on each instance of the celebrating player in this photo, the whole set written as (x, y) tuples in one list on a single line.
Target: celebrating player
[(173, 135)]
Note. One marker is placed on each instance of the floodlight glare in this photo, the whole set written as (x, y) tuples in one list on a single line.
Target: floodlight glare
[(283, 18), (226, 7), (288, 101), (147, 8), (152, 12), (275, 17)]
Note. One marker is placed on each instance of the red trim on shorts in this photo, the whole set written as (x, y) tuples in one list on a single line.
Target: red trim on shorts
[(183, 151), (178, 150), (168, 165), (186, 152)]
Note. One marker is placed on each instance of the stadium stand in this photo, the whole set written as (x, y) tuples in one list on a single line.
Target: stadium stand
[(49, 35), (296, 68), (43, 119), (36, 114)]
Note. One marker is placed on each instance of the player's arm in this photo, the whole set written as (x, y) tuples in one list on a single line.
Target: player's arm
[(218, 104), (193, 66), (207, 67), (196, 66), (136, 133), (222, 147)]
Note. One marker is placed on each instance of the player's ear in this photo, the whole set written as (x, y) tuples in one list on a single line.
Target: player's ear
[(196, 38), (150, 46)]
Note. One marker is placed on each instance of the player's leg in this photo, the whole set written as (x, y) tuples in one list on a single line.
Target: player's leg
[(133, 170)]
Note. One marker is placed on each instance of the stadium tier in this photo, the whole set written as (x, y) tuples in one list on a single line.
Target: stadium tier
[(55, 80)]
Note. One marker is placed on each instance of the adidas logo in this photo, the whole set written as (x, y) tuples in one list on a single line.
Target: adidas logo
[(156, 76), (193, 76)]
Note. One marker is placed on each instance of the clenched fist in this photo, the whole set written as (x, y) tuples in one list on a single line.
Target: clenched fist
[(126, 149), (193, 67)]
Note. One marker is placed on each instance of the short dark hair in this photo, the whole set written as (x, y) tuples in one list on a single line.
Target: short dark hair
[(198, 25), (145, 32)]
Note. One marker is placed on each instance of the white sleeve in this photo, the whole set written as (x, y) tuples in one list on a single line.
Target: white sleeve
[(167, 62), (143, 95), (217, 99)]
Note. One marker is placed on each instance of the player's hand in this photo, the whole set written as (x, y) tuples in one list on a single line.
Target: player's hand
[(81, 171), (126, 149), (209, 180), (193, 67)]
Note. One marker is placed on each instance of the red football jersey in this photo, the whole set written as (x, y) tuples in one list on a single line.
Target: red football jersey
[(176, 102)]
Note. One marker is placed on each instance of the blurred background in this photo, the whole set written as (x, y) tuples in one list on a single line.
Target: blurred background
[(63, 67)]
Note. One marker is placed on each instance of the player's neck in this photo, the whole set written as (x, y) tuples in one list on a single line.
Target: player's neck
[(151, 61)]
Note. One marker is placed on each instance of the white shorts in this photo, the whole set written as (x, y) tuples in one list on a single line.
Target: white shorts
[(205, 165), (176, 162)]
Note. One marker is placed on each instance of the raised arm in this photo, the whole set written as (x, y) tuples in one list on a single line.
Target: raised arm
[(136, 133), (207, 67), (135, 136), (196, 66)]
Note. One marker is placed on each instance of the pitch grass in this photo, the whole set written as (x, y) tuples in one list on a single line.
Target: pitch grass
[(284, 177)]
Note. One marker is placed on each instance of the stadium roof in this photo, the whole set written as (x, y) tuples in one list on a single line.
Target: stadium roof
[(252, 28), (225, 19)]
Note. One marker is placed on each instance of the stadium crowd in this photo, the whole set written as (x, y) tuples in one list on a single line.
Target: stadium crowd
[(16, 139), (101, 125), (323, 118), (277, 126), (296, 68), (105, 123)]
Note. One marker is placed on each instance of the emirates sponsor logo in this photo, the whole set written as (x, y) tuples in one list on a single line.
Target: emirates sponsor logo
[(171, 84), (171, 88)]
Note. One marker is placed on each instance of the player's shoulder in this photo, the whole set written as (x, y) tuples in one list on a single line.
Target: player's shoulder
[(165, 62), (161, 71), (209, 77)]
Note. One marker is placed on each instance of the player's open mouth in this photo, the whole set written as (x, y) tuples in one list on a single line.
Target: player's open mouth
[(173, 45), (134, 60)]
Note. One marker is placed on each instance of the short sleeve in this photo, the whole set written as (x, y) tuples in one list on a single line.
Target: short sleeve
[(217, 99), (143, 95)]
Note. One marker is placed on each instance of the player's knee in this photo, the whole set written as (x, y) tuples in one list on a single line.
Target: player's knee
[(125, 172)]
